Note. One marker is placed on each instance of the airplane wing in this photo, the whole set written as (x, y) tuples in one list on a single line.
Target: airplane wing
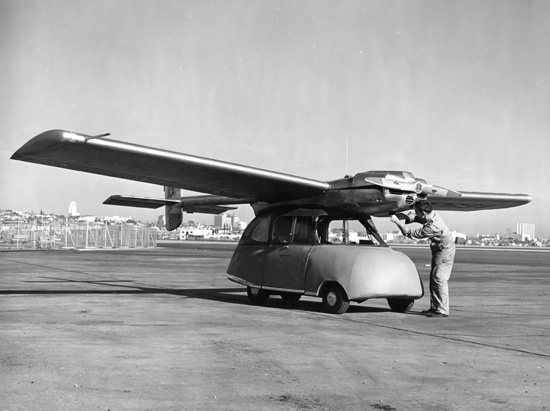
[(112, 158), (230, 184), (471, 201)]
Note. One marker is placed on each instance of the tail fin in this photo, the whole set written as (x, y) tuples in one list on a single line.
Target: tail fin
[(173, 213)]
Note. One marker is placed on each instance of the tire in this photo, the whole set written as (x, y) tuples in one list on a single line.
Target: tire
[(291, 298), (335, 299), (257, 295), (400, 305)]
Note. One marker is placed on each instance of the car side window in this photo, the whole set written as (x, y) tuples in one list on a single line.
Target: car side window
[(304, 232), (293, 230), (282, 230), (257, 231)]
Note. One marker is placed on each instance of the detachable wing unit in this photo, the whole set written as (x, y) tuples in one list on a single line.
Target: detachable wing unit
[(377, 193)]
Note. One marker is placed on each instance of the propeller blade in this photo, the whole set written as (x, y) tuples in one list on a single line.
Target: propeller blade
[(437, 191)]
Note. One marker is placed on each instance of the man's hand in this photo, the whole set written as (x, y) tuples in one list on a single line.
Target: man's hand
[(395, 220)]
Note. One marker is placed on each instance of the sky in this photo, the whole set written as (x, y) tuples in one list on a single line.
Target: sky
[(458, 93)]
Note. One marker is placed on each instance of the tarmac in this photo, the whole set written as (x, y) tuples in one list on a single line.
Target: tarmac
[(163, 329)]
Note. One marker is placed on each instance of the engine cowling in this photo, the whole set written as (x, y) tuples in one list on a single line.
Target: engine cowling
[(404, 188)]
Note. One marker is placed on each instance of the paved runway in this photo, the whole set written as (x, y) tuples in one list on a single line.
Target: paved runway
[(163, 329)]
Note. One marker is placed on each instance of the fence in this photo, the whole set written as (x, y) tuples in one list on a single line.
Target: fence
[(86, 235)]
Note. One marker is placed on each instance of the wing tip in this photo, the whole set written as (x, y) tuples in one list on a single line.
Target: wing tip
[(477, 201), (39, 143), (518, 198)]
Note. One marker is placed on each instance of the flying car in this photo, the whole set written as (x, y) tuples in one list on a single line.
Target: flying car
[(286, 249)]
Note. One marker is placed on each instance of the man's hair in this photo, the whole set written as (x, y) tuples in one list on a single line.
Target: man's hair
[(424, 206)]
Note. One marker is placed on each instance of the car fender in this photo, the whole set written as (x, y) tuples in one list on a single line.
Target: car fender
[(363, 272)]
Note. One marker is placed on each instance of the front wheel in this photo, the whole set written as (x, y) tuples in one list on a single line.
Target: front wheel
[(335, 300), (257, 295), (400, 305)]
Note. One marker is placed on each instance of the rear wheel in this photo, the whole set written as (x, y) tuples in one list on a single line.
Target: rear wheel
[(335, 299), (257, 295), (400, 305)]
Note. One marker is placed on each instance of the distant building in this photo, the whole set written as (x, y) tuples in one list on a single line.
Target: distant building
[(116, 219), (229, 222), (223, 221), (241, 226), (195, 233), (72, 209), (394, 235), (526, 230), (456, 235)]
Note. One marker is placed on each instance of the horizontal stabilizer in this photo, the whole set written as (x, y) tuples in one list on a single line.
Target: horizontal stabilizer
[(207, 209), (142, 202), (210, 204), (197, 204)]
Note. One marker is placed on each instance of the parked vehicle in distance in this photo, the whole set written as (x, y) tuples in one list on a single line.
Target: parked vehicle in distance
[(289, 253)]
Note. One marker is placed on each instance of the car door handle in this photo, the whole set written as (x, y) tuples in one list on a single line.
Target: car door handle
[(286, 247)]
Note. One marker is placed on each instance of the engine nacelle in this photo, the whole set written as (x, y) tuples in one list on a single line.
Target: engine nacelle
[(404, 200)]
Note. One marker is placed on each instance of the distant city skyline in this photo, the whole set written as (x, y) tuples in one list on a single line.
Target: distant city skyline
[(522, 228)]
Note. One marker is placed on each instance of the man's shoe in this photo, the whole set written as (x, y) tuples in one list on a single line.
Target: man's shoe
[(437, 314), (426, 312)]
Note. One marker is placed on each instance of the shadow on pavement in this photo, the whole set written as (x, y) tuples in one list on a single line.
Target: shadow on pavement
[(232, 295)]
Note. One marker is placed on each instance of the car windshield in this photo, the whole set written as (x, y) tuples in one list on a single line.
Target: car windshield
[(348, 232)]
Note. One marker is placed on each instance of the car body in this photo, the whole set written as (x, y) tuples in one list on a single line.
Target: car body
[(289, 253)]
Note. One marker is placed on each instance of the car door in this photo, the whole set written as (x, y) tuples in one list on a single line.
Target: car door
[(286, 257)]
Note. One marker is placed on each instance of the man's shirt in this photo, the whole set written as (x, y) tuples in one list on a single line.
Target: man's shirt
[(434, 230)]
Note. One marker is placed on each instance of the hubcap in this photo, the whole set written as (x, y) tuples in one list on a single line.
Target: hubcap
[(331, 299)]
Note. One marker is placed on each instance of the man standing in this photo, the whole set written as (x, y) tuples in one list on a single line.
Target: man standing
[(443, 254)]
